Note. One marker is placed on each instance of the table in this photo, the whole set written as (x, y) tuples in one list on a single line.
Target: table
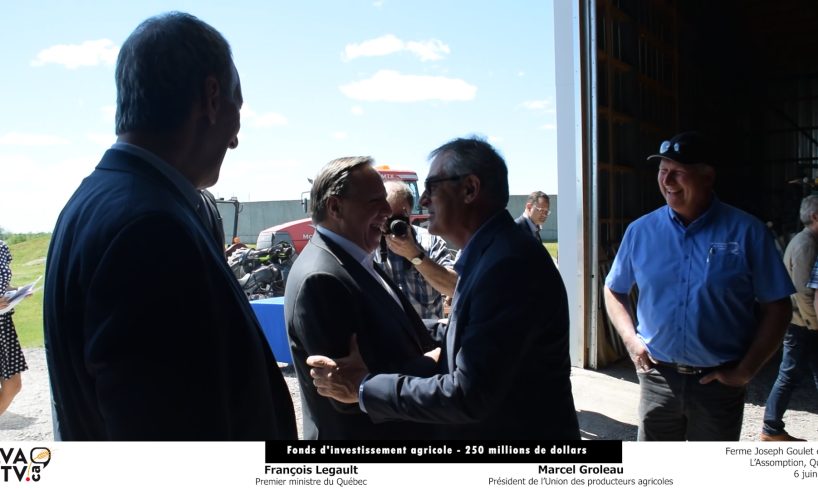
[(270, 314)]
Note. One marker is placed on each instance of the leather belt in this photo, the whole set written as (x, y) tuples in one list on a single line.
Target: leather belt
[(683, 368)]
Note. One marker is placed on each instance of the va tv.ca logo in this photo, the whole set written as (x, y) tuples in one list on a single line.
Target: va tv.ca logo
[(19, 465)]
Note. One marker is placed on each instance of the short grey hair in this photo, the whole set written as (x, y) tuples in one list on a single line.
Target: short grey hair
[(809, 206), (400, 190), (161, 70), (333, 180), (473, 155)]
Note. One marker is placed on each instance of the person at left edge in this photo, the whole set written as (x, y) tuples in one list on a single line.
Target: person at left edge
[(12, 360), (142, 343)]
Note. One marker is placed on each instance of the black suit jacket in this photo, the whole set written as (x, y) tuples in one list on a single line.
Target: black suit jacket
[(506, 369), (148, 336), (329, 296), (522, 224)]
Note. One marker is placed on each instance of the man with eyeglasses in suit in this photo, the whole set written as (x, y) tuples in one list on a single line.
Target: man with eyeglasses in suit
[(700, 265), (537, 209)]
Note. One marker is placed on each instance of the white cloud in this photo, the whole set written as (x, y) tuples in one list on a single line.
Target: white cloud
[(391, 86), (428, 50), (253, 119), (431, 50), (339, 135), (380, 46), (357, 110), (32, 139), (73, 56)]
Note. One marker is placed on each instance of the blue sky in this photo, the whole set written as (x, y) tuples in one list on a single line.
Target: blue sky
[(321, 79)]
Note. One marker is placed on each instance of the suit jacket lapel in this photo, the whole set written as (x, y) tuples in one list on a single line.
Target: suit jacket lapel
[(414, 324), (465, 281), (370, 287)]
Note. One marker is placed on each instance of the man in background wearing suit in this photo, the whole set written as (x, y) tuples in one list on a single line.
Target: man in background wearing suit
[(504, 369), (144, 343), (335, 291), (537, 209)]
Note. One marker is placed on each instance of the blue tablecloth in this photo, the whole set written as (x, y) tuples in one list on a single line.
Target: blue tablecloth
[(270, 314)]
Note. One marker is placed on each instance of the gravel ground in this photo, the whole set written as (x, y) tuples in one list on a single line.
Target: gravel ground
[(29, 417), (607, 401)]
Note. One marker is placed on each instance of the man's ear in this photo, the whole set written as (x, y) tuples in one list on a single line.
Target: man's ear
[(211, 99), (471, 188), (334, 207)]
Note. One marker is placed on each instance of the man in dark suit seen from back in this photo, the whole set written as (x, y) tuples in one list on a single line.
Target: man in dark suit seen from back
[(504, 368), (147, 341)]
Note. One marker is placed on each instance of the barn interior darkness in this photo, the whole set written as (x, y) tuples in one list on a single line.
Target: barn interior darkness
[(748, 73), (743, 71)]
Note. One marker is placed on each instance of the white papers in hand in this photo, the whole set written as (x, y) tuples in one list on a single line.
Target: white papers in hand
[(21, 293)]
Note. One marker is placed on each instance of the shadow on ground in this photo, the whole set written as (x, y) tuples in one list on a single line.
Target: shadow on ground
[(13, 421), (804, 398), (594, 425)]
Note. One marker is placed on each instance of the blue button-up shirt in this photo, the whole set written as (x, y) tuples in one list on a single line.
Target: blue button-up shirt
[(698, 284)]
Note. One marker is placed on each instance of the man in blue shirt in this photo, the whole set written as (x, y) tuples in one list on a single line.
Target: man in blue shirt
[(700, 266)]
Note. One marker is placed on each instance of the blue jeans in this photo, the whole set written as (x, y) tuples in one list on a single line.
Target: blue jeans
[(800, 356)]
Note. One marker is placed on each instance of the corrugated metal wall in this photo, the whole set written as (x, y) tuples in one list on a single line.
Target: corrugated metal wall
[(256, 216)]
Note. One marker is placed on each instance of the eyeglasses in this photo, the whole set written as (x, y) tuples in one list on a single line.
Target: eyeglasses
[(541, 210), (429, 184)]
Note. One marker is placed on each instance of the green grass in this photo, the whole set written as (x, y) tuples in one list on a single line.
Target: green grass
[(27, 265), (552, 249)]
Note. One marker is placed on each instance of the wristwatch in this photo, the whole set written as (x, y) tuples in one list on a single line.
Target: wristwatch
[(417, 260)]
